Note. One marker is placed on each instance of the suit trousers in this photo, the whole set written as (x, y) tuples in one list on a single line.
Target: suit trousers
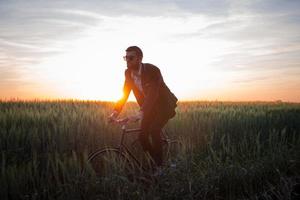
[(152, 125)]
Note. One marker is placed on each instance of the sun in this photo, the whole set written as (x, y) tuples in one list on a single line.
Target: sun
[(85, 72)]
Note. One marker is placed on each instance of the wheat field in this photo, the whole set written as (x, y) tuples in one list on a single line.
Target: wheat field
[(230, 150)]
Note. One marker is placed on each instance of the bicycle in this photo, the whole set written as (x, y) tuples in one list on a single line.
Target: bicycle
[(120, 160)]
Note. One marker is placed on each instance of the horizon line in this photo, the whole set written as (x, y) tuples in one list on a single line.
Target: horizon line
[(130, 101)]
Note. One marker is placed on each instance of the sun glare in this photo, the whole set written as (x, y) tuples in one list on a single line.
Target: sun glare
[(93, 67), (85, 72)]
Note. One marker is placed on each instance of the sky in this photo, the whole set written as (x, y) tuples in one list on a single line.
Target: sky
[(206, 50)]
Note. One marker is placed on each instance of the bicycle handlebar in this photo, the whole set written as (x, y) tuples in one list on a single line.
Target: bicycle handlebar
[(123, 122)]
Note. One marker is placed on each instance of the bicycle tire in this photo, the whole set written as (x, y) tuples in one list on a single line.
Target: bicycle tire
[(108, 162)]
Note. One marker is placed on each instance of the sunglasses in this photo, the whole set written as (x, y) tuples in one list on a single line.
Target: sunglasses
[(128, 58)]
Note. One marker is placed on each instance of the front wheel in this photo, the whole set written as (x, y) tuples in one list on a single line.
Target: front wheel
[(110, 162)]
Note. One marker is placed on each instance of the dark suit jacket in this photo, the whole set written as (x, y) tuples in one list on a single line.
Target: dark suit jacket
[(156, 94)]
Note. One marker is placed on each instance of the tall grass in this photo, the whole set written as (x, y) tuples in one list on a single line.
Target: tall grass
[(231, 150)]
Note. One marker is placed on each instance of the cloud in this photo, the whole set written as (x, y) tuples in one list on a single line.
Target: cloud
[(273, 6), (257, 39), (247, 80), (125, 7), (250, 28), (260, 59), (32, 31), (7, 72)]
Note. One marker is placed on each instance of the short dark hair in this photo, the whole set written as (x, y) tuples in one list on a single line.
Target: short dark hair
[(136, 49)]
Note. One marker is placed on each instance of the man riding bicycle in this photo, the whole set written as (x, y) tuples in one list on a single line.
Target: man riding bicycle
[(157, 103)]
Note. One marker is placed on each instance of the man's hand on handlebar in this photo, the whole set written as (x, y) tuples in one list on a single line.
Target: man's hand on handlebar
[(113, 116), (133, 118), (121, 121)]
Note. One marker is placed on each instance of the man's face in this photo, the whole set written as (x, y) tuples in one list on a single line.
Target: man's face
[(132, 60)]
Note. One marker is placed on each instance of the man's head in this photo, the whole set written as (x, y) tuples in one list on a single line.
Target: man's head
[(134, 57)]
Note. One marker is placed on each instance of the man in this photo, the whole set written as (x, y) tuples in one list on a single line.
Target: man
[(157, 103)]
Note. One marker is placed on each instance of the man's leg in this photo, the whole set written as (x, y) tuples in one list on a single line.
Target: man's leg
[(157, 147), (155, 130), (144, 140), (144, 135)]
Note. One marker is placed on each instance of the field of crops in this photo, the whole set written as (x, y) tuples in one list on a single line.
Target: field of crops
[(231, 150)]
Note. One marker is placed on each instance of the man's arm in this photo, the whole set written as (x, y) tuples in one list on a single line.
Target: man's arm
[(153, 92), (126, 91)]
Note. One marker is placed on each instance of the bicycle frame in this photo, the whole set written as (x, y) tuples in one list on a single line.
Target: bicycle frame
[(122, 147), (123, 150)]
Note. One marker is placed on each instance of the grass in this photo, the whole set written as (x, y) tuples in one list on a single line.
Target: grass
[(231, 150)]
